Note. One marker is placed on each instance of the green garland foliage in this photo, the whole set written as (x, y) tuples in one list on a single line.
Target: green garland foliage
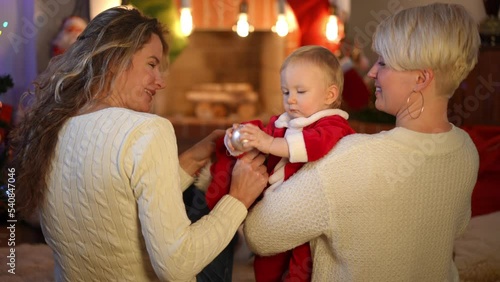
[(167, 12)]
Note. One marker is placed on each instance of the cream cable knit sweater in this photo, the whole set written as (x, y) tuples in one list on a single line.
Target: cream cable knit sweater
[(114, 209), (383, 207)]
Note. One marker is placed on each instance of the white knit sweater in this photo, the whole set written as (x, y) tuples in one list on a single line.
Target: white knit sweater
[(114, 209), (383, 207)]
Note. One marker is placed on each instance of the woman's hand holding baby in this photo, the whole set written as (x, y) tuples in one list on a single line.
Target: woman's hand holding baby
[(249, 178)]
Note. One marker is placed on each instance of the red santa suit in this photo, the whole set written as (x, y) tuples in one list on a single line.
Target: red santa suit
[(309, 139)]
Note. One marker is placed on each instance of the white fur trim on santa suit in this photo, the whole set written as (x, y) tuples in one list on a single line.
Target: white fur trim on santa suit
[(284, 119), (296, 145), (203, 179), (279, 171), (294, 136)]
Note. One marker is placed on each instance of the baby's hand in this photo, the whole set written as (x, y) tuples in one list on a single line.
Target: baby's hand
[(256, 138)]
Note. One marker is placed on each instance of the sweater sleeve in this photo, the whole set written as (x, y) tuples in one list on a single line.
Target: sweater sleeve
[(186, 179), (288, 216), (178, 249)]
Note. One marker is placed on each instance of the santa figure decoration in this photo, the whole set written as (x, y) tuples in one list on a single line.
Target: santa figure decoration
[(71, 28)]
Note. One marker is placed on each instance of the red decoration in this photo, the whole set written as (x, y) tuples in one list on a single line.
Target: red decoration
[(486, 194), (312, 16), (71, 28)]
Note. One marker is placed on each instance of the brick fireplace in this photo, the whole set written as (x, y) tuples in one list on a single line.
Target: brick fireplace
[(223, 57)]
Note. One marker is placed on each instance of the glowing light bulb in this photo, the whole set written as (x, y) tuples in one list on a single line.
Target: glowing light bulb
[(281, 27), (186, 21), (243, 28), (332, 29), (5, 24)]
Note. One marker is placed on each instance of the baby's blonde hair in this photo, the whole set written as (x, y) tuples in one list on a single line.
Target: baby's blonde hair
[(325, 60)]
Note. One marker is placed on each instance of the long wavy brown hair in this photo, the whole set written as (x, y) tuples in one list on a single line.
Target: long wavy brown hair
[(72, 82)]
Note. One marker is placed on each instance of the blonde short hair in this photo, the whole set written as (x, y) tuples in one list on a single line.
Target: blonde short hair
[(442, 37), (325, 60)]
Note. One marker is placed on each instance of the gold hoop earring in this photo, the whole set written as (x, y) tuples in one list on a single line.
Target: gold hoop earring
[(421, 107)]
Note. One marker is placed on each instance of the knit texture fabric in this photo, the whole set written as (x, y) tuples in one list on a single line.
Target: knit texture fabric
[(114, 208), (382, 207)]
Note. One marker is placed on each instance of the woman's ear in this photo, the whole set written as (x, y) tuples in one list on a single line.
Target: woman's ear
[(332, 94), (424, 79)]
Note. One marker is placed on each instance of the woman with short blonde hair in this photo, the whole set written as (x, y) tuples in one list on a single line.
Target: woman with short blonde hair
[(388, 206)]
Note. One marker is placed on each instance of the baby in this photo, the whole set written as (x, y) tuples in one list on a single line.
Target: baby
[(311, 83)]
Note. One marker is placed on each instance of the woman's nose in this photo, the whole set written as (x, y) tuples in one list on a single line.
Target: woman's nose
[(160, 82), (372, 73)]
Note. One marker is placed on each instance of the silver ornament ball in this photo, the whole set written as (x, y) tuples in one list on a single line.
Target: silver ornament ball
[(236, 140)]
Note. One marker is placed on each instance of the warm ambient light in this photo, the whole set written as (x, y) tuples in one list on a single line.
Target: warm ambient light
[(335, 26), (97, 6), (242, 27), (332, 28), (186, 21), (281, 26)]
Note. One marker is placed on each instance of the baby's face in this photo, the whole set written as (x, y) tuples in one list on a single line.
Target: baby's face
[(305, 90)]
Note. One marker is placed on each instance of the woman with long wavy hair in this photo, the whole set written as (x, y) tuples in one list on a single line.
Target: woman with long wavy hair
[(104, 173)]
